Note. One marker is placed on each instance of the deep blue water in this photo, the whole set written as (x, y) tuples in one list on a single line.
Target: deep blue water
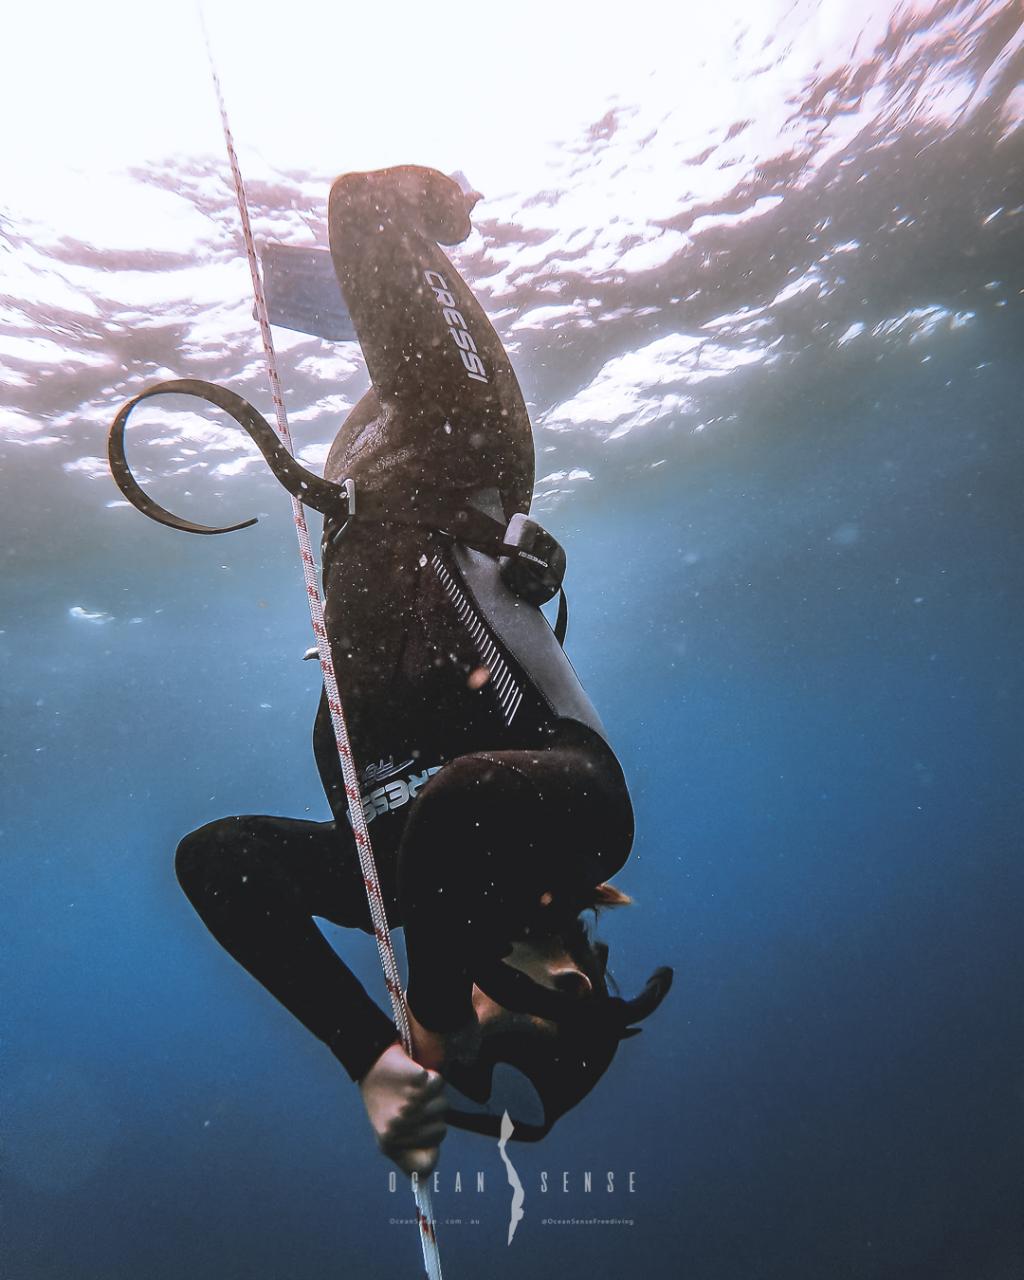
[(803, 629), (823, 740)]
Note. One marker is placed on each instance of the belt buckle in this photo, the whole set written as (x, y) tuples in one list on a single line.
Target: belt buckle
[(349, 485)]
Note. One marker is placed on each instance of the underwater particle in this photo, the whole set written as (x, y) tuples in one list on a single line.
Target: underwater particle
[(478, 677), (81, 614), (265, 706), (925, 777)]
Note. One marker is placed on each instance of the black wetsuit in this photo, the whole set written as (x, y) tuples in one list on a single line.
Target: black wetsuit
[(480, 797)]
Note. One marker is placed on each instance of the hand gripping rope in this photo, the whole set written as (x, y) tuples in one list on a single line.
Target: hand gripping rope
[(385, 946)]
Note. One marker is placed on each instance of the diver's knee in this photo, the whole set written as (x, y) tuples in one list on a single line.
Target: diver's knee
[(201, 852), (443, 836), (190, 857), (457, 779)]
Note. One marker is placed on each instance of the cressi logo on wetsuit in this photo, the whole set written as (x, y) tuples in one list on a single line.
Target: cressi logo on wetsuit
[(456, 323), (395, 791)]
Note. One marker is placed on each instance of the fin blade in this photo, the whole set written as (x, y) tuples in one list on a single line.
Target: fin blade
[(303, 293)]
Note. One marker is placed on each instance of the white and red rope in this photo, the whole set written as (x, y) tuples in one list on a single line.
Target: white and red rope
[(381, 929)]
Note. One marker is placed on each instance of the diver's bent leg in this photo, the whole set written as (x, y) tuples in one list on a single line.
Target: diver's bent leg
[(256, 882), (444, 883), (471, 865), (497, 843)]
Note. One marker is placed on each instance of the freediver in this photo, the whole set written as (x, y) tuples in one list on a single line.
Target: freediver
[(499, 811)]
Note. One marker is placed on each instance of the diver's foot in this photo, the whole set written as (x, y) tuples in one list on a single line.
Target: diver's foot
[(405, 1104)]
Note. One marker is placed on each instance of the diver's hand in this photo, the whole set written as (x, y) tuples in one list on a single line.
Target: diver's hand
[(406, 1105)]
